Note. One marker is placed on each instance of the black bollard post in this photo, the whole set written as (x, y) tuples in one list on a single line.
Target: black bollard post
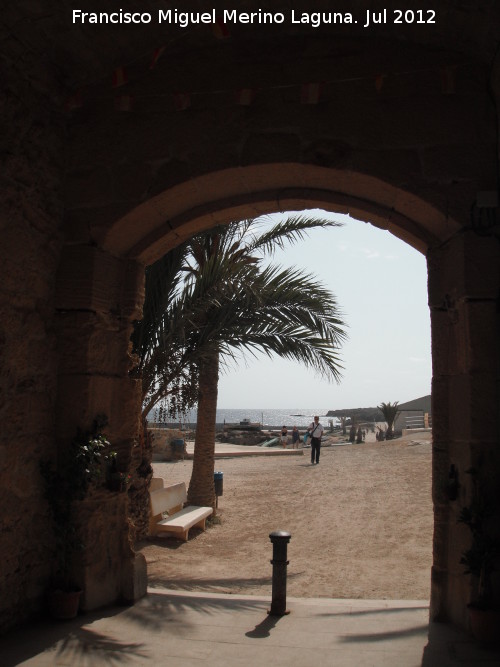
[(280, 539)]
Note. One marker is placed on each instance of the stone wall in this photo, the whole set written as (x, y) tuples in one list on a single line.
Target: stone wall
[(97, 298), (408, 155), (464, 284), (64, 342), (30, 227)]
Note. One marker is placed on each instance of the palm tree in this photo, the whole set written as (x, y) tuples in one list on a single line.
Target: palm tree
[(241, 305), (390, 412), (166, 365), (229, 301)]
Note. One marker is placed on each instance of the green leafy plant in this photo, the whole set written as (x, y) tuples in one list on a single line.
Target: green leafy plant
[(116, 480), (481, 559), (66, 481)]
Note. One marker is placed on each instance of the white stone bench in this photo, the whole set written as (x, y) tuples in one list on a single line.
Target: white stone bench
[(156, 483), (180, 519)]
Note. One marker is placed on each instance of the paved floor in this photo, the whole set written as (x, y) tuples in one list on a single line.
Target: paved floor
[(179, 629)]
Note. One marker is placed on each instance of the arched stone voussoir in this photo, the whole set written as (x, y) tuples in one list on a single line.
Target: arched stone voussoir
[(154, 227)]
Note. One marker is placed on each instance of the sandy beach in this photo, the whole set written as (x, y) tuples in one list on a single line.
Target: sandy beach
[(361, 524)]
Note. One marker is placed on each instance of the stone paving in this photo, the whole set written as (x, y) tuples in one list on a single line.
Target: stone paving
[(181, 629)]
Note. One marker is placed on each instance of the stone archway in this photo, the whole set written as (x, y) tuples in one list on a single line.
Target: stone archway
[(152, 228), (462, 293), (405, 135), (366, 153)]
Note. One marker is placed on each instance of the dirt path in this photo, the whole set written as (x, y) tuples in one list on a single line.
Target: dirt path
[(361, 525)]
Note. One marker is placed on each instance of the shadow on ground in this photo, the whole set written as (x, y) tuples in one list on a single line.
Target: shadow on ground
[(75, 642)]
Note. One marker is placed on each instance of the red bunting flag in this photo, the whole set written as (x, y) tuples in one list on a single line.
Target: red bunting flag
[(119, 77), (157, 53), (220, 29), (182, 101), (124, 103), (379, 82), (310, 93), (245, 96), (74, 102), (448, 79)]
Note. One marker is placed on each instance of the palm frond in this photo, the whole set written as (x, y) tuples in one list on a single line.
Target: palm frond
[(162, 282), (288, 231), (215, 298)]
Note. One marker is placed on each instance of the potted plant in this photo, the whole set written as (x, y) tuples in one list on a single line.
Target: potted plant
[(77, 467), (481, 559), (116, 480)]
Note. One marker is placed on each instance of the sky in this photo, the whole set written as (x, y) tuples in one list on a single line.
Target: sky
[(380, 284)]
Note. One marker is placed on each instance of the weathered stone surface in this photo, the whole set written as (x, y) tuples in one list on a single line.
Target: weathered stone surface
[(135, 579), (92, 195), (263, 148), (468, 266), (94, 342), (473, 402), (30, 225), (103, 525), (89, 279)]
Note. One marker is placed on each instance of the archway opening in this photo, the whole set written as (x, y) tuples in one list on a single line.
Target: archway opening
[(366, 539)]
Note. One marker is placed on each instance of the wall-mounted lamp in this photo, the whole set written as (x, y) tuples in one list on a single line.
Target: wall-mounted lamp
[(485, 213)]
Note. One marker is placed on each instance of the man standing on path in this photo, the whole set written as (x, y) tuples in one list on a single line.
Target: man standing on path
[(316, 431)]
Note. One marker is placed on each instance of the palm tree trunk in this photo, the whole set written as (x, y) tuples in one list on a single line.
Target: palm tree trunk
[(201, 487)]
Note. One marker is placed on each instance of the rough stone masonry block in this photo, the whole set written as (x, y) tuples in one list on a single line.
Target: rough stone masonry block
[(81, 398), (132, 293), (440, 409), (440, 539), (271, 147), (100, 591), (93, 343), (460, 408), (486, 456), (131, 180), (92, 185), (104, 530), (445, 349), (134, 579), (473, 406), (440, 469), (448, 163), (466, 266), (481, 335), (457, 595), (437, 611), (482, 266), (88, 279), (91, 279), (108, 351), (445, 272)]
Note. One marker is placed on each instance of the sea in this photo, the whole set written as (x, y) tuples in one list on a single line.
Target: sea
[(275, 418)]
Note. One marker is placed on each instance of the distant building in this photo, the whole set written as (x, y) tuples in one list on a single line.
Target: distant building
[(414, 414)]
